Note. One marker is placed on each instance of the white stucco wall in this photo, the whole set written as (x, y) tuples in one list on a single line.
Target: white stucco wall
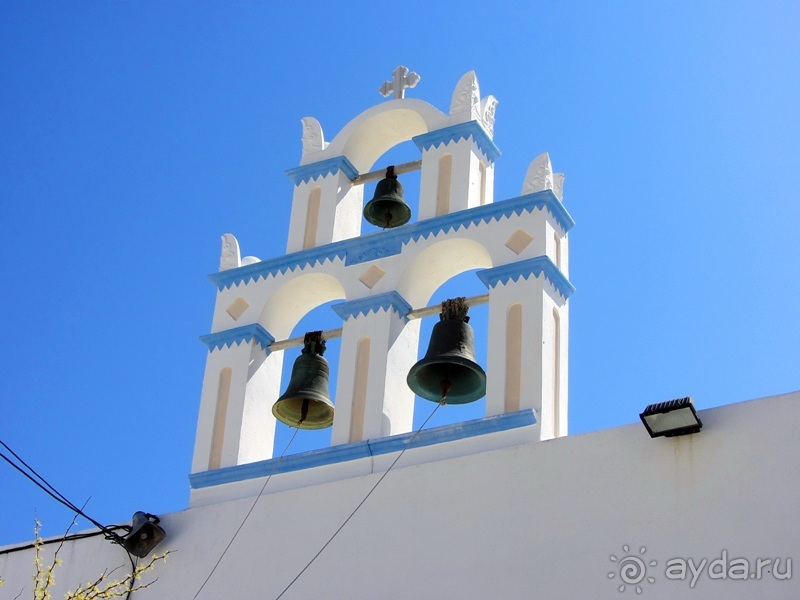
[(531, 520)]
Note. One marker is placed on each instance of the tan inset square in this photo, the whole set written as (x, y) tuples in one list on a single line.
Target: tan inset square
[(237, 308), (518, 241)]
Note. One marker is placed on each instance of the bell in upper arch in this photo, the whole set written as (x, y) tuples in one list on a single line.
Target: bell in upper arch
[(387, 208), (306, 403), (449, 374)]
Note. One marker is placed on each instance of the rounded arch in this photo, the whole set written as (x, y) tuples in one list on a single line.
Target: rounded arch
[(294, 299), (366, 137), (436, 264)]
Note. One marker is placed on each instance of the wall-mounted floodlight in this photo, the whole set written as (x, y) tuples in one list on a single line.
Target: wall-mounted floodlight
[(145, 534), (675, 417)]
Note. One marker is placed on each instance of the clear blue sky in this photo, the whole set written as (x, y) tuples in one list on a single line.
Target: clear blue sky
[(134, 134)]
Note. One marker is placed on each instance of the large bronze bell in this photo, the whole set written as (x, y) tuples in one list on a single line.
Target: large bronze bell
[(387, 208), (448, 373), (306, 403)]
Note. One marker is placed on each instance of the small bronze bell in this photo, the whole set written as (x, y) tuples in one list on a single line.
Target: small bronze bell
[(387, 208), (449, 373), (306, 403)]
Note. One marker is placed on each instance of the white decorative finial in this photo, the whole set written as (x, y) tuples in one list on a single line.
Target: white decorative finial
[(229, 257), (539, 176), (313, 140), (401, 79), (558, 185), (488, 109), (467, 96)]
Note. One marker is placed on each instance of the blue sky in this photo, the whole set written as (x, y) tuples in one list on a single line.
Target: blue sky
[(134, 134)]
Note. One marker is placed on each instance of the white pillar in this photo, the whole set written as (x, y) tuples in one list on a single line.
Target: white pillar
[(457, 169), (528, 342), (378, 349), (242, 380), (326, 207)]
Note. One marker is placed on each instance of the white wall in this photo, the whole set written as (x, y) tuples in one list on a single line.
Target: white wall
[(537, 520)]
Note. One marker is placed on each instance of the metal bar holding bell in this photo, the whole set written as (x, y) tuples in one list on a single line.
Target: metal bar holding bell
[(417, 313), (415, 165)]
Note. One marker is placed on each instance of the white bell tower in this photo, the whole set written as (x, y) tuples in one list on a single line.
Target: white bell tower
[(384, 281)]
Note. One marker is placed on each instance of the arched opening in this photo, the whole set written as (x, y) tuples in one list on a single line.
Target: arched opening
[(296, 298), (402, 153), (383, 126), (301, 305), (465, 284), (438, 263), (321, 318)]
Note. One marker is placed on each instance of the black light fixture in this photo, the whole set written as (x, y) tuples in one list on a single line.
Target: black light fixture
[(145, 534), (671, 418)]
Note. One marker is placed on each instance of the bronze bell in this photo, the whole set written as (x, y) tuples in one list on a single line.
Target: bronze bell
[(306, 403), (449, 373), (387, 208)]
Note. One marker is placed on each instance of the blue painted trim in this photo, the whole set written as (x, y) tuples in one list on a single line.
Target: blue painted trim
[(458, 132), (280, 265), (322, 168), (371, 247), (390, 241), (370, 304), (237, 335), (526, 268), (365, 449)]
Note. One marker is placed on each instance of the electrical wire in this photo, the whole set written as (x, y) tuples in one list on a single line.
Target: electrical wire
[(360, 504), (66, 538), (109, 532), (133, 575), (263, 487), (29, 476), (51, 491), (32, 470)]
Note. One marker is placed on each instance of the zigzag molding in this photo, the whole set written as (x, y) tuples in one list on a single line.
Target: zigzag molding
[(541, 265), (455, 133), (322, 168), (372, 304), (277, 266), (237, 335), (391, 241)]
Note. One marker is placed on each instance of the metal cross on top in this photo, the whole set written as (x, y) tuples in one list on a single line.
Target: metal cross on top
[(401, 79)]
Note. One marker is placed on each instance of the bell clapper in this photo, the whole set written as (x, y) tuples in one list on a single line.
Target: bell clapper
[(445, 384), (303, 411)]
